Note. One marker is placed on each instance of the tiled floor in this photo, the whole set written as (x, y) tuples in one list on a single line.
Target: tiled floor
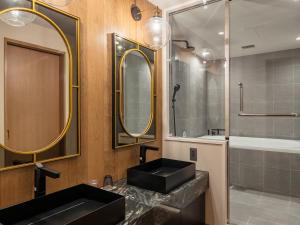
[(257, 208)]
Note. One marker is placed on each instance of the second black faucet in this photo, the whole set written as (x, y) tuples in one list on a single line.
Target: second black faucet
[(143, 152)]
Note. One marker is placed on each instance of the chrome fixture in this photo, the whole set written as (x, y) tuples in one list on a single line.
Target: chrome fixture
[(241, 113), (216, 131), (40, 174), (248, 46)]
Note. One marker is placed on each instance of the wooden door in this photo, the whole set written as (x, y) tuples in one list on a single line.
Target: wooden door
[(33, 107)]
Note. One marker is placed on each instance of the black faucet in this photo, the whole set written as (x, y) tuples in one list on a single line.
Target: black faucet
[(143, 152), (40, 174)]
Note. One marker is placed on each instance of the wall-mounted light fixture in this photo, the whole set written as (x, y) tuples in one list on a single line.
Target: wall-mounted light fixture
[(136, 12), (59, 3), (156, 30)]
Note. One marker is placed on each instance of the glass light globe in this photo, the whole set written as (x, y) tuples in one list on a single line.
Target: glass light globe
[(206, 54), (59, 3), (157, 32), (17, 18)]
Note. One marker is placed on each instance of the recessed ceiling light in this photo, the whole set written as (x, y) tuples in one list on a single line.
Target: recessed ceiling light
[(221, 33), (298, 38)]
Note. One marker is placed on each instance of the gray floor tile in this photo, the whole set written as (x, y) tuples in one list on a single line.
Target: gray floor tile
[(238, 222), (276, 199), (294, 211), (260, 208), (292, 220), (259, 221), (295, 201), (247, 197)]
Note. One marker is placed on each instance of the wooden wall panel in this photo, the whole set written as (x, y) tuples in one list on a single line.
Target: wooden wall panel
[(98, 19), (115, 18)]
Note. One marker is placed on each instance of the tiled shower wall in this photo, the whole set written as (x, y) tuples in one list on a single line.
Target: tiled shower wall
[(200, 100), (215, 101), (271, 85), (189, 72)]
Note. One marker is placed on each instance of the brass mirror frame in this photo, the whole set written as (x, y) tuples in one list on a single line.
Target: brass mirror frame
[(34, 153), (116, 93), (122, 77)]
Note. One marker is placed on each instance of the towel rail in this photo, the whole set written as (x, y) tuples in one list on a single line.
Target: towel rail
[(242, 113)]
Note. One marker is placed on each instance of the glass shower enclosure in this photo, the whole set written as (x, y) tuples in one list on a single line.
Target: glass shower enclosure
[(234, 73)]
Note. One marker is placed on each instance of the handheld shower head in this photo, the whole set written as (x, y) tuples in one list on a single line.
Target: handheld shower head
[(176, 89)]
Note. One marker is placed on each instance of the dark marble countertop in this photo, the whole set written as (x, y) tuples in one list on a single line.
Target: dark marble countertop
[(144, 206)]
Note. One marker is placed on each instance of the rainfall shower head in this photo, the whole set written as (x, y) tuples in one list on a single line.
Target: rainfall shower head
[(187, 44), (176, 89)]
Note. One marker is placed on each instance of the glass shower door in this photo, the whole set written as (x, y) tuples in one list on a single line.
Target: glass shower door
[(264, 162)]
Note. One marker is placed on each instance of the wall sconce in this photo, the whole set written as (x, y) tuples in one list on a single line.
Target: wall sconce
[(59, 3), (17, 18), (156, 30)]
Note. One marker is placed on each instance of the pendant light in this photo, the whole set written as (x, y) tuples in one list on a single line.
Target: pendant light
[(59, 3), (156, 31), (17, 18)]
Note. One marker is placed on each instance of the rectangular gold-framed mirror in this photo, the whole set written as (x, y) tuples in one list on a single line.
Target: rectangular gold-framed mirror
[(39, 84), (134, 92)]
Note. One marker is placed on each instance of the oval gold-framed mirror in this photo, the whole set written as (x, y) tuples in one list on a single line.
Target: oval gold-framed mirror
[(136, 93), (38, 91)]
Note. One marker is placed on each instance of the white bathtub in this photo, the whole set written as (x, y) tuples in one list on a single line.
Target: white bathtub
[(265, 144)]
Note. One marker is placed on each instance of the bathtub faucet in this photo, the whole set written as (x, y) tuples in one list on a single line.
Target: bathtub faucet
[(216, 131)]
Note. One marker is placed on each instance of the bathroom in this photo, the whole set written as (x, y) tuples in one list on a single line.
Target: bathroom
[(150, 112)]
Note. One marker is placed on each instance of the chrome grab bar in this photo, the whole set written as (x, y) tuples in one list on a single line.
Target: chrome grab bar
[(269, 114), (241, 113)]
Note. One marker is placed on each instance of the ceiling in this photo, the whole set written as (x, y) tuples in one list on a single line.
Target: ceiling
[(163, 4), (270, 25)]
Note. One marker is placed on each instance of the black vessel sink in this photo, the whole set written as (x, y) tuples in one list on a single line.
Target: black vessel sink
[(162, 175), (77, 205)]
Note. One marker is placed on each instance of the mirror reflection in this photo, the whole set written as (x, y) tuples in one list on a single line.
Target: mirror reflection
[(136, 106), (34, 82)]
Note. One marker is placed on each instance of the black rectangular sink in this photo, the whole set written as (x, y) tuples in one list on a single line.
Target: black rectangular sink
[(82, 204), (162, 175)]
